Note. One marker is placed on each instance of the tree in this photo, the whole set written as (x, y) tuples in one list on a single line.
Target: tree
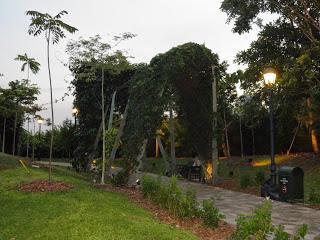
[(93, 60), (54, 29), (291, 45), (29, 63), (34, 66), (303, 15)]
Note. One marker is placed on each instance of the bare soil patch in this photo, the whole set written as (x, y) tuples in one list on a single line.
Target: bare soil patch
[(45, 186), (192, 225)]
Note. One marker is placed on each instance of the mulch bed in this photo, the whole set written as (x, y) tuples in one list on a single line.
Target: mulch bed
[(45, 186), (192, 225)]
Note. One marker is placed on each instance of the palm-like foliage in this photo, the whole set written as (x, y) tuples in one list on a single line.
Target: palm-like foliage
[(30, 63), (54, 29)]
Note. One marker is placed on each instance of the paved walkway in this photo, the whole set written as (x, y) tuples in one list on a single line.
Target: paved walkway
[(231, 204), (62, 164)]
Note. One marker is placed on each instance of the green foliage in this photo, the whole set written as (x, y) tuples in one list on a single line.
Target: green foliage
[(181, 78), (210, 214), (180, 204), (260, 177), (280, 234), (258, 226), (30, 63), (110, 138), (150, 187), (170, 196), (120, 179), (314, 196), (245, 181)]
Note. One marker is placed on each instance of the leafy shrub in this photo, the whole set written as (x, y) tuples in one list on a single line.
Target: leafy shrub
[(149, 187), (245, 181), (314, 196), (280, 234), (258, 226), (120, 179), (260, 177), (180, 204), (210, 214), (188, 205)]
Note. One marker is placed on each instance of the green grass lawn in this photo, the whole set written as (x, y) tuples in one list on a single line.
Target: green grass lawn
[(81, 213)]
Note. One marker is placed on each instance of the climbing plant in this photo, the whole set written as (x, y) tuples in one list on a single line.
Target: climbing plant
[(182, 78)]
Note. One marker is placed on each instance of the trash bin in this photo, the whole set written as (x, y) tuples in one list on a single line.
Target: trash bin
[(291, 183)]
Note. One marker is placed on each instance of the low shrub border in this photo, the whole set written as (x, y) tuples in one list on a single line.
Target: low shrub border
[(180, 204)]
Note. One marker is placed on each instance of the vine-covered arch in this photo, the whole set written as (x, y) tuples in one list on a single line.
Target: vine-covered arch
[(181, 79)]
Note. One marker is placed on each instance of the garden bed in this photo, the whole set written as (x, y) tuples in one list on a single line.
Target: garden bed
[(195, 226), (45, 186)]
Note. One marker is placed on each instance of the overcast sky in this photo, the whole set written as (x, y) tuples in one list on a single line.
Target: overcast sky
[(160, 25)]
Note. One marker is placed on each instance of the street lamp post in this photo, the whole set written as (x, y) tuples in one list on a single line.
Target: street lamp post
[(75, 112), (270, 76), (40, 121)]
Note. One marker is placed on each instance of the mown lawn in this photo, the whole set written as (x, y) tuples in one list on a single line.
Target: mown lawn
[(81, 213)]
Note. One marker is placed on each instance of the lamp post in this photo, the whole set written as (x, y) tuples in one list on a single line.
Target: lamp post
[(40, 121), (75, 112), (270, 76)]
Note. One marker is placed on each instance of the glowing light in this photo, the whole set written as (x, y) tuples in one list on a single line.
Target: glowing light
[(269, 76), (75, 111), (40, 121), (208, 172)]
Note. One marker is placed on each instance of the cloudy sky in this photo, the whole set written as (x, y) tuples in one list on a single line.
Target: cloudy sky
[(160, 25)]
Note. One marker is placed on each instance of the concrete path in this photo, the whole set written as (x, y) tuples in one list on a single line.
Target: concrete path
[(62, 164)]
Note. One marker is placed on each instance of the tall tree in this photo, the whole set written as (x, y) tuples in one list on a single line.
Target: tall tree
[(92, 58), (53, 28), (34, 66)]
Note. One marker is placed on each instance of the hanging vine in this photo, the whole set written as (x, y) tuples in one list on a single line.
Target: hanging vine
[(181, 77)]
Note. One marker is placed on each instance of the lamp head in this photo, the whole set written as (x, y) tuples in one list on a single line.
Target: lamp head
[(269, 76), (40, 121), (75, 111)]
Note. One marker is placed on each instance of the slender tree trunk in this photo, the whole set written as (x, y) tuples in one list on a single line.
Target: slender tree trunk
[(215, 159), (253, 142), (28, 137), (4, 134), (51, 100), (28, 73), (33, 135), (294, 137), (117, 140), (103, 130), (226, 134), (313, 135), (14, 134), (241, 140), (172, 143)]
